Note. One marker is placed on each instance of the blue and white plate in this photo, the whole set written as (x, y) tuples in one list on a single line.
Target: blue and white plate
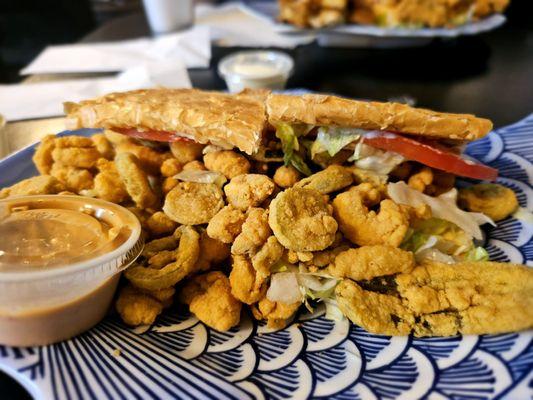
[(313, 357)]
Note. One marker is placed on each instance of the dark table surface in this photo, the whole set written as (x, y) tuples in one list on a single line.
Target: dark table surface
[(490, 75)]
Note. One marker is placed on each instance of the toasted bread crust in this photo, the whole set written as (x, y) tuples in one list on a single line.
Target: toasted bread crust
[(323, 110), (213, 117)]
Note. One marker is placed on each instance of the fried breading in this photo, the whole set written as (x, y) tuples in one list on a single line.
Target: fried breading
[(246, 284), (286, 176), (74, 179), (171, 167), (79, 157), (248, 190), (255, 231), (103, 145), (137, 308), (212, 252), (367, 262), (275, 313), (495, 201), (108, 184), (192, 203), (149, 159), (227, 162), (184, 151), (301, 220), (42, 184), (269, 254), (209, 298), (365, 227), (135, 180), (42, 158), (226, 225), (331, 179), (440, 299), (159, 224)]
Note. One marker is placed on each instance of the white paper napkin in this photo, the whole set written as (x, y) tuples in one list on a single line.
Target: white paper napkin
[(38, 100), (234, 24), (191, 47)]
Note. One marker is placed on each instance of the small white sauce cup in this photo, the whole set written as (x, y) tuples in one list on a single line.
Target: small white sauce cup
[(256, 70)]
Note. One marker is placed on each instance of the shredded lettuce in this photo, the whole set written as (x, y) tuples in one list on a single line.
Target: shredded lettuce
[(290, 146), (443, 207), (477, 254), (371, 159), (334, 140), (202, 177)]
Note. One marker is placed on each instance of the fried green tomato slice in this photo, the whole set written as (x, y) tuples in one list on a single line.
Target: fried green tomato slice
[(192, 203), (332, 179), (301, 220), (491, 199), (186, 258)]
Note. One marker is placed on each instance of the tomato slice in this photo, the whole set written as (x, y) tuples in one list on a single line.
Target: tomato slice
[(431, 156), (157, 136)]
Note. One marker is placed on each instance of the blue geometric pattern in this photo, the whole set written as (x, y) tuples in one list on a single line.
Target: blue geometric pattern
[(314, 357)]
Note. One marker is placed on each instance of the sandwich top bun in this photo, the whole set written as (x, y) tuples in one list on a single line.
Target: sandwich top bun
[(323, 110), (214, 117)]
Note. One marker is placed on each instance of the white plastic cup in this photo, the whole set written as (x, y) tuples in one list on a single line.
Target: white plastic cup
[(169, 15)]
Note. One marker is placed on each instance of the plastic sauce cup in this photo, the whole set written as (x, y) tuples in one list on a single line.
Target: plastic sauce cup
[(256, 70), (60, 262)]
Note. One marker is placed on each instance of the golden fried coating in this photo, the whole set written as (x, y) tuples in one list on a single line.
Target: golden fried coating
[(42, 184), (169, 184), (43, 155), (159, 224), (331, 179), (150, 160), (165, 296), (212, 252), (491, 199), (209, 298), (171, 167), (486, 7), (301, 220), (137, 308), (103, 145), (276, 313), (158, 245), (194, 166), (226, 225), (255, 231), (116, 138), (185, 151), (135, 180), (80, 157), (74, 179), (192, 203), (248, 190), (108, 184), (269, 254), (286, 177), (367, 262), (364, 227), (227, 162), (441, 299), (246, 284), (186, 257), (73, 141), (421, 179), (375, 312)]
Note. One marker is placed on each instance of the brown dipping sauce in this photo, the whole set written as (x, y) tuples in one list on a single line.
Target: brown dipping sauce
[(60, 262)]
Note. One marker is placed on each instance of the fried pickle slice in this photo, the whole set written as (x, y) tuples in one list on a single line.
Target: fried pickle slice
[(331, 179), (186, 257), (192, 203), (491, 199), (42, 184), (135, 180), (301, 220)]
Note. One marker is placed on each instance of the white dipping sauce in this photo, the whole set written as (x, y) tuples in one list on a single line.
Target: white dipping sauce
[(255, 70)]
